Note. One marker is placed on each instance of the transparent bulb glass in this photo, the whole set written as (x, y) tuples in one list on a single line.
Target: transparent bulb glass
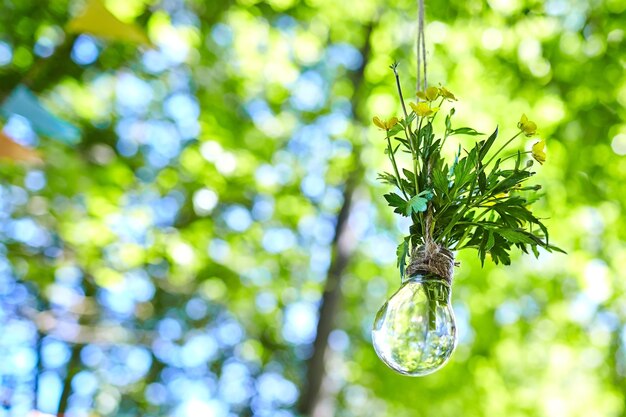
[(414, 331)]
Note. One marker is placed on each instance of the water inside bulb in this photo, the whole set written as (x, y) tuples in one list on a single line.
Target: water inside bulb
[(414, 331)]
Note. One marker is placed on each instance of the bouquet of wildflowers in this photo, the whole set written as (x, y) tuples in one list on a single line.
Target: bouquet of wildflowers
[(480, 199)]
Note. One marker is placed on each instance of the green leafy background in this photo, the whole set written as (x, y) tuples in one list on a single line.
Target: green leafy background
[(234, 230)]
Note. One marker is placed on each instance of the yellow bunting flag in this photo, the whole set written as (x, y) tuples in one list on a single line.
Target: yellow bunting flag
[(16, 152), (96, 20)]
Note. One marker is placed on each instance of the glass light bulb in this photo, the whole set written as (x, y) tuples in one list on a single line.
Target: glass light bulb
[(414, 331)]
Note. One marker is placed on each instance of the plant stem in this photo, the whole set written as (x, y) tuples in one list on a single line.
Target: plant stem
[(470, 190), (419, 129), (488, 193), (407, 129), (415, 171), (514, 155), (439, 106), (445, 137), (458, 243), (395, 167), (432, 312), (395, 72), (501, 148)]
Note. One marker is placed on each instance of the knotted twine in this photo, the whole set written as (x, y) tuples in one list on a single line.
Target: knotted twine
[(430, 258)]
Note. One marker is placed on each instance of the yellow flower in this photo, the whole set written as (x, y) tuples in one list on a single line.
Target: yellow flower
[(528, 127), (430, 94), (423, 109), (447, 94), (538, 151), (495, 199), (385, 124)]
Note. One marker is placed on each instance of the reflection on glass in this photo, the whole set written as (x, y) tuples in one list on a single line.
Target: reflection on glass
[(414, 331)]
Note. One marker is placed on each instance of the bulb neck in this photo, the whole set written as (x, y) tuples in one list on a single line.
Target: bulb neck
[(436, 288), (431, 261), (423, 277)]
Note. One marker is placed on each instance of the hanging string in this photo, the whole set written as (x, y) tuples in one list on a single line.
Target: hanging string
[(422, 76), (420, 48), (418, 51), (423, 29), (429, 257)]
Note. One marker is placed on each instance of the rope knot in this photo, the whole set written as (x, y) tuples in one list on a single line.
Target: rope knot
[(432, 258)]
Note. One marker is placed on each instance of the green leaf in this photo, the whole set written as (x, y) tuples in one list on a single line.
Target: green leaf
[(517, 236), (402, 252), (393, 151), (427, 194), (555, 248), (408, 121), (456, 161), (395, 130), (427, 131), (416, 204), (490, 241), (394, 200), (404, 142), (465, 131), (464, 171), (482, 182), (388, 178), (409, 187), (409, 175), (487, 145), (449, 122), (440, 181), (535, 251), (513, 178), (499, 251)]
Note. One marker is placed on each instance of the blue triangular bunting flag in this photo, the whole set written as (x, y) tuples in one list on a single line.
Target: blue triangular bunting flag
[(24, 103)]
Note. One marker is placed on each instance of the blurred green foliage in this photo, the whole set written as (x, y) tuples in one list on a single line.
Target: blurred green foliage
[(177, 256)]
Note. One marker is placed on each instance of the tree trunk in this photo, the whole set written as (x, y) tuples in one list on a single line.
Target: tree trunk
[(341, 254), (73, 366)]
